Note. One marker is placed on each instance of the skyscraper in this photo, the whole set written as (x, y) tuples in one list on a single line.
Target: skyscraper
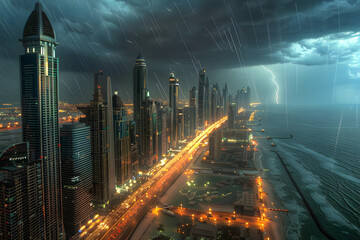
[(201, 98), (39, 70), (186, 115), (215, 144), (139, 97), (161, 129), (76, 171), (232, 112), (123, 164), (134, 153), (214, 104), (248, 97), (207, 101), (225, 98), (96, 118), (242, 98), (192, 111), (173, 104), (180, 124), (103, 82), (148, 109)]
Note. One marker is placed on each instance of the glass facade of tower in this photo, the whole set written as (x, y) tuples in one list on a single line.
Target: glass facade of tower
[(76, 172), (39, 73)]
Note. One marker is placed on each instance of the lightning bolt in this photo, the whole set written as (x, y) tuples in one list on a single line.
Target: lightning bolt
[(277, 85)]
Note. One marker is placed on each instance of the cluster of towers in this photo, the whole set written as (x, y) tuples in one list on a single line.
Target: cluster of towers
[(52, 181)]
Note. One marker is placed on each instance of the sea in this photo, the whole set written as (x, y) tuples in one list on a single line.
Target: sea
[(320, 146)]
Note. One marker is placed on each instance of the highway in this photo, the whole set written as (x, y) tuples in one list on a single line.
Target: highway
[(121, 223)]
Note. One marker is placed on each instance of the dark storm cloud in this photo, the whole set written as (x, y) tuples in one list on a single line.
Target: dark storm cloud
[(179, 36)]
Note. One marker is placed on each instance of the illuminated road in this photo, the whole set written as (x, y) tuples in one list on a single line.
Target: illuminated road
[(220, 217), (121, 222)]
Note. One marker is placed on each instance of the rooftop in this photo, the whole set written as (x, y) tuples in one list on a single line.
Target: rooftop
[(38, 24)]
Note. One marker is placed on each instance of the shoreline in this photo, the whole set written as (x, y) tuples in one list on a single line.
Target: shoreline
[(307, 205), (276, 228)]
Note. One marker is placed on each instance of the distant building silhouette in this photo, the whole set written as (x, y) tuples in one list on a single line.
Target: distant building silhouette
[(225, 98), (215, 108), (193, 111), (174, 104), (242, 98), (207, 101), (201, 98)]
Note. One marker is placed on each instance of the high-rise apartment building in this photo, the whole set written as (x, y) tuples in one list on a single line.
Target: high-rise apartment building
[(215, 145), (21, 205)]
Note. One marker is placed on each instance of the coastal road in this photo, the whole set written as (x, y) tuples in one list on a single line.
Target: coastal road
[(142, 229), (125, 218)]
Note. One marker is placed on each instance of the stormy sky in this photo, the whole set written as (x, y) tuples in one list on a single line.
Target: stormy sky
[(311, 46)]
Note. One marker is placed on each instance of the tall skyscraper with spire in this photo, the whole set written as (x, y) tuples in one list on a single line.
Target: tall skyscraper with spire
[(173, 104), (139, 96), (97, 118), (39, 73), (104, 82)]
